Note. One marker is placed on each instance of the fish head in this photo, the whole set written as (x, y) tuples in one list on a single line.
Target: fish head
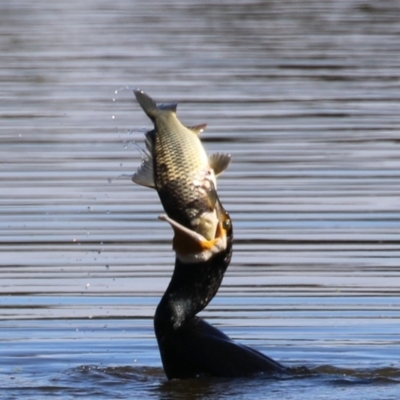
[(206, 219), (192, 247)]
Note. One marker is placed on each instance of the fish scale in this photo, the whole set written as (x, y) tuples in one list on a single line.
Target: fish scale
[(178, 161)]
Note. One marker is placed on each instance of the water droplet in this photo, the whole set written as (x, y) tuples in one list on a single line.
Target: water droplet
[(89, 208), (113, 117), (113, 99), (73, 240), (116, 92), (87, 285)]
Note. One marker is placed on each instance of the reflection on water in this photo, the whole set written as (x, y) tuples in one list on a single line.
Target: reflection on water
[(304, 95)]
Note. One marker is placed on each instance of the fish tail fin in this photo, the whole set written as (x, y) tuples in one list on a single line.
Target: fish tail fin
[(146, 102), (149, 106)]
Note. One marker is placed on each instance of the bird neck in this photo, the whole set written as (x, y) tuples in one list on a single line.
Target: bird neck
[(191, 288)]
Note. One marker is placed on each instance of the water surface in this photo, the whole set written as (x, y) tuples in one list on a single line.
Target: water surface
[(304, 95)]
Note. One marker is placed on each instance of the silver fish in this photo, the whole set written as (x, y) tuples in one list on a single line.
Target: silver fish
[(177, 166)]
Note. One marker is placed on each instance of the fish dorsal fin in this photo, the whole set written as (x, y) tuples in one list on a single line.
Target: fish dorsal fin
[(167, 107), (219, 162), (197, 129)]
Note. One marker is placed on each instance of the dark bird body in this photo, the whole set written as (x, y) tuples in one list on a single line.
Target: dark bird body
[(189, 346)]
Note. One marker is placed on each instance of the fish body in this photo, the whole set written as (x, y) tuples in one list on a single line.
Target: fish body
[(177, 166)]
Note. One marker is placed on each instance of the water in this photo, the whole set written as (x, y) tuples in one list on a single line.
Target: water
[(304, 95)]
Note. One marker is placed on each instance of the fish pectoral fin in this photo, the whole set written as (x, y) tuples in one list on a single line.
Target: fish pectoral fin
[(219, 162), (197, 129), (145, 174)]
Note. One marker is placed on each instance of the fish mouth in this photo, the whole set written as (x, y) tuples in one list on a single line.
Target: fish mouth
[(192, 247)]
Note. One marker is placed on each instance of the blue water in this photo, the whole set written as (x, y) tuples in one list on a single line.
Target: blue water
[(305, 97)]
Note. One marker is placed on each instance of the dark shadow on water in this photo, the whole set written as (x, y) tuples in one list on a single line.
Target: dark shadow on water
[(221, 388), (123, 382), (151, 380)]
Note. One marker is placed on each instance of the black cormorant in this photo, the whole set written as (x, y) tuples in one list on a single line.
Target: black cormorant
[(189, 346)]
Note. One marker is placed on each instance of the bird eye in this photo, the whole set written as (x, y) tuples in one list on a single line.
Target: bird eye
[(226, 224)]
